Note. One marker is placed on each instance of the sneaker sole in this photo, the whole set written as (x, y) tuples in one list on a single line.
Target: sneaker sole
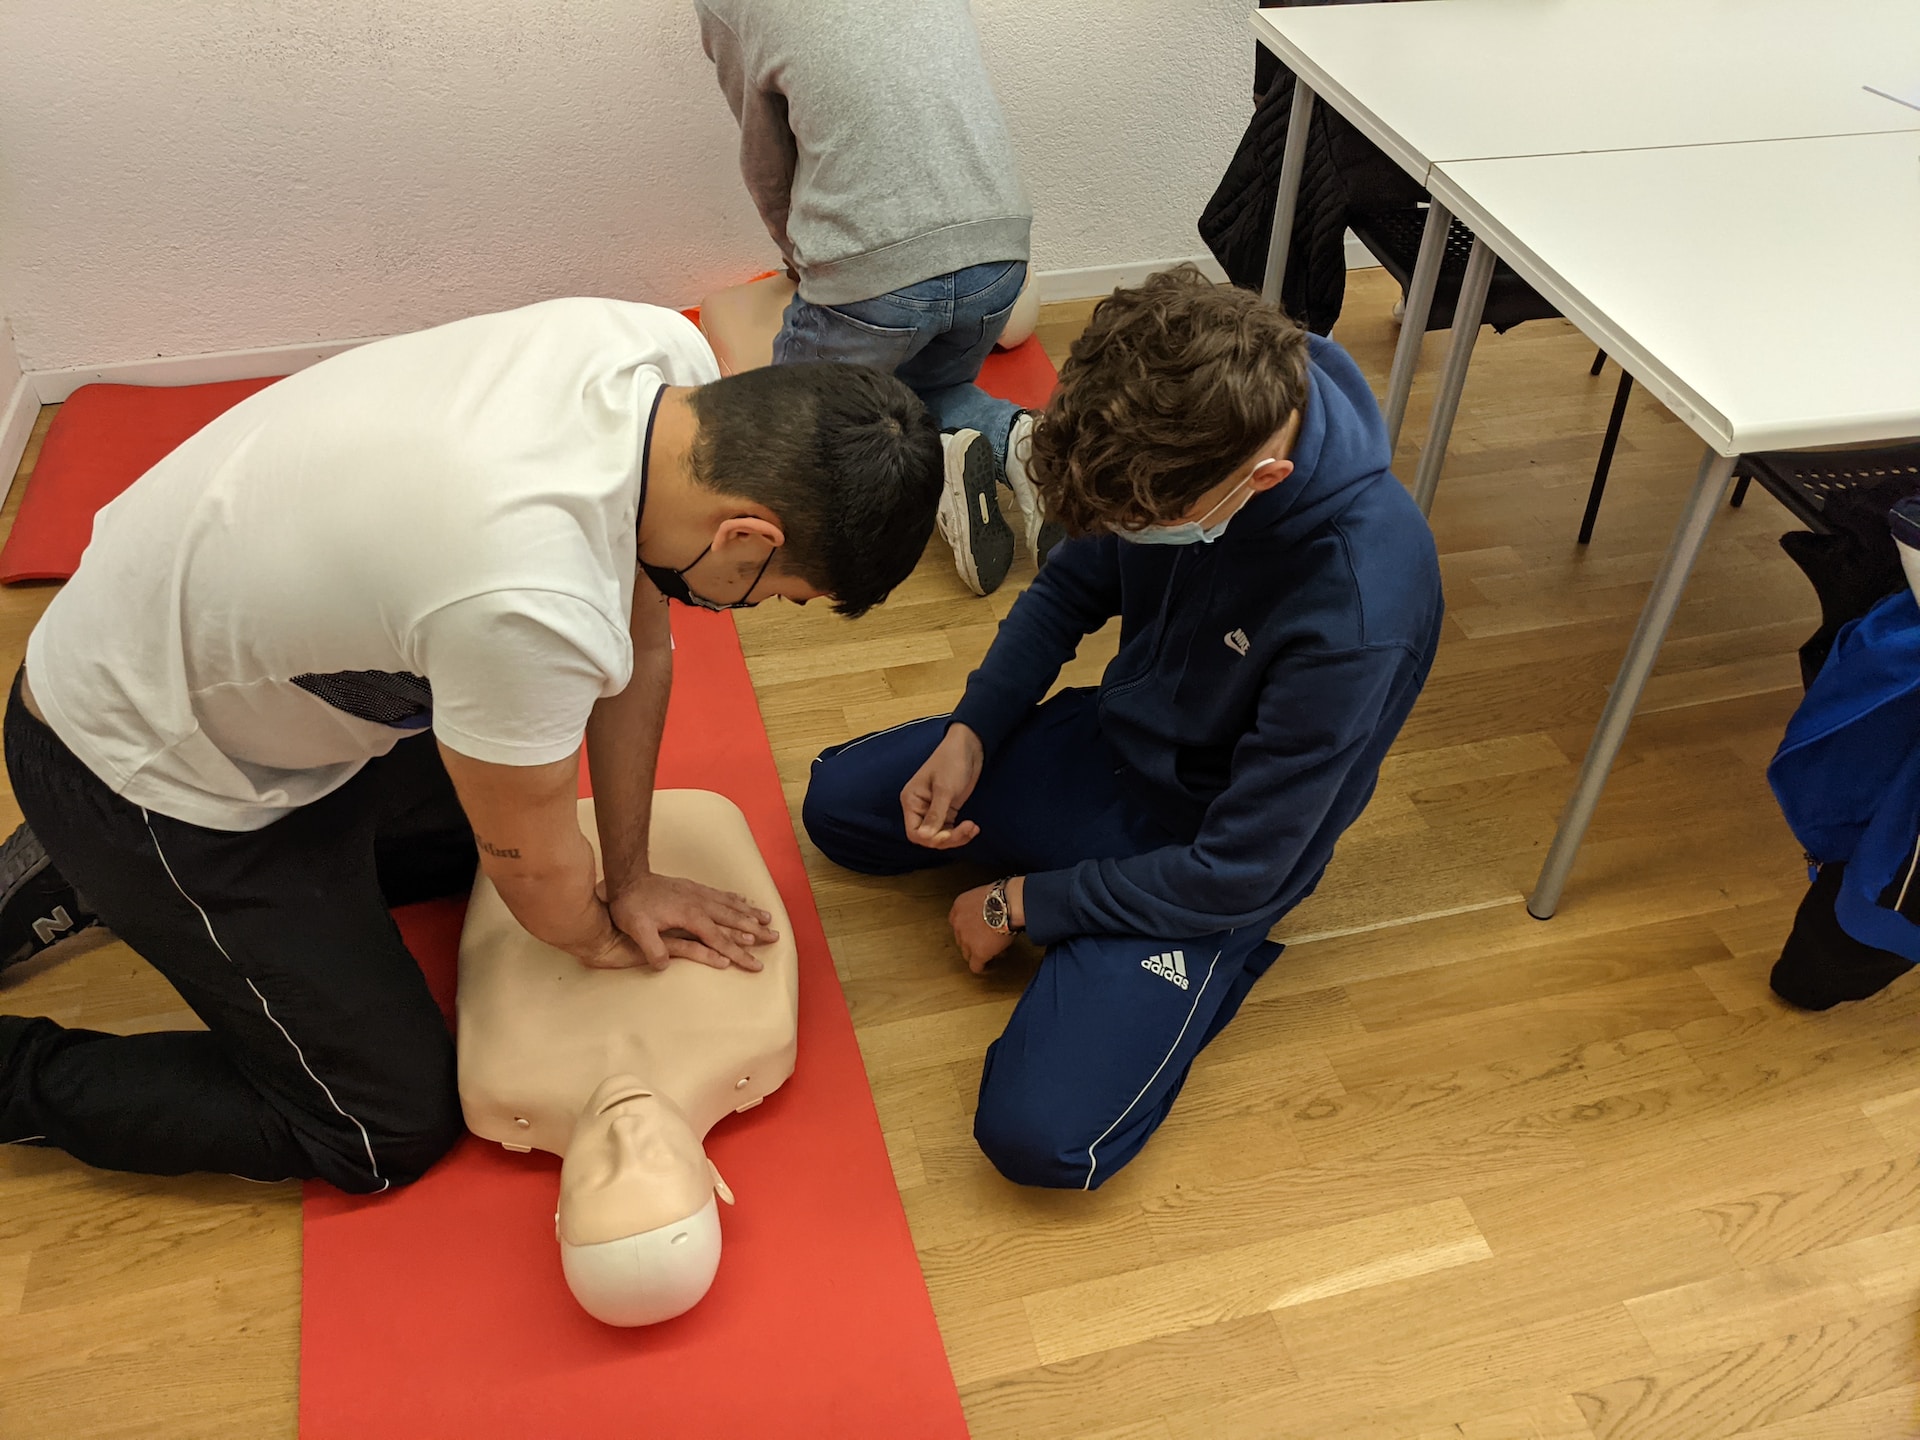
[(1042, 534), (983, 550)]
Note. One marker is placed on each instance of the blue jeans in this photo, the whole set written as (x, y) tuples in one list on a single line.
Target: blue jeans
[(1101, 1042), (934, 334)]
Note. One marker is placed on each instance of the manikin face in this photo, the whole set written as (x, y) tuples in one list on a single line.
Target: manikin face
[(632, 1165)]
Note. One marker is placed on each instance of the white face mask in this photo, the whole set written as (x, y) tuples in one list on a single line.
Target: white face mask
[(1191, 532)]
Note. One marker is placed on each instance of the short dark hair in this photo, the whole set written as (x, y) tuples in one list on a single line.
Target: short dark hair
[(845, 455), (1173, 385)]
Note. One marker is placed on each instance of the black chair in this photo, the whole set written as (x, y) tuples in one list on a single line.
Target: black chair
[(1801, 480), (1804, 481), (1393, 237)]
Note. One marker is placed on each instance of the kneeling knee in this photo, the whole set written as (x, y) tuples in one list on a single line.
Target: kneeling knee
[(406, 1156), (821, 817), (1025, 1148), (848, 827), (370, 1160)]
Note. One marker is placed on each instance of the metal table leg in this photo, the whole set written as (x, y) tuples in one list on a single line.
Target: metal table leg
[(1292, 161), (1453, 379), (1708, 487), (1413, 323)]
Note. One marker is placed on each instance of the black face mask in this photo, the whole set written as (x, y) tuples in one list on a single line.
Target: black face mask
[(673, 583)]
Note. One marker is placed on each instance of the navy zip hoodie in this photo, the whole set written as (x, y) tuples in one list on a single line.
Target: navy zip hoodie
[(1259, 683)]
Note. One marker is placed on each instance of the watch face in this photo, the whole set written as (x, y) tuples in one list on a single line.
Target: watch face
[(996, 910)]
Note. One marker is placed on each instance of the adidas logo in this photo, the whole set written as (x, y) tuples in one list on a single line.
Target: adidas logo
[(1172, 965), (49, 926), (1237, 642)]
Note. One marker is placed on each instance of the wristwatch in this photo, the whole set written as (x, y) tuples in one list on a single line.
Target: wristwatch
[(995, 910)]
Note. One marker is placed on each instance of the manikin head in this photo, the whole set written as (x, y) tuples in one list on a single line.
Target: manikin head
[(639, 1230)]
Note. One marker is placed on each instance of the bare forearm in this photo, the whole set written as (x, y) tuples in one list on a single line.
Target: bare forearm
[(623, 750), (550, 892), (526, 826)]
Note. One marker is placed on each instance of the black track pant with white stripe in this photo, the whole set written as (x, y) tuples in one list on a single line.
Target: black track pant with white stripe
[(324, 1054)]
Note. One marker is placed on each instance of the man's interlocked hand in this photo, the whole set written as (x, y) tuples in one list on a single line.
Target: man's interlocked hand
[(666, 918)]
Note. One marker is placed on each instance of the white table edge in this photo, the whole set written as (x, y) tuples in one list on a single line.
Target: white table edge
[(1710, 424), (1267, 31), (1700, 417), (1325, 87)]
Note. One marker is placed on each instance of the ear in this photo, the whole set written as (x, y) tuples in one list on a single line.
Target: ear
[(720, 1185), (1269, 473), (749, 527)]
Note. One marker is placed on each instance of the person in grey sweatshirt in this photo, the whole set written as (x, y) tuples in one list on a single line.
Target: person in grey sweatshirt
[(876, 151)]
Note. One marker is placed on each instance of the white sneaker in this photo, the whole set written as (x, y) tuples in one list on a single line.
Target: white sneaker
[(969, 516), (1042, 533)]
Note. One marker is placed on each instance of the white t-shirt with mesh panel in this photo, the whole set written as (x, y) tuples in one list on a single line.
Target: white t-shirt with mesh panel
[(433, 531)]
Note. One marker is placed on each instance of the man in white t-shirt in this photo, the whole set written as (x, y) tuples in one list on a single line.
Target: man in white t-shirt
[(363, 624)]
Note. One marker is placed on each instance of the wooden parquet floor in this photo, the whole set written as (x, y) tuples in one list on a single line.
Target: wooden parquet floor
[(1452, 1172)]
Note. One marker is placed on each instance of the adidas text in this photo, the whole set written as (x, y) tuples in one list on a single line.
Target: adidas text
[(1170, 965)]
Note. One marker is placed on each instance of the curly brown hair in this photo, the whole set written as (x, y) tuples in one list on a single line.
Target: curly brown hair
[(1173, 384)]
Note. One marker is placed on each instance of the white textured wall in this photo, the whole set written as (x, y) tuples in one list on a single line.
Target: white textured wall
[(19, 407), (177, 179), (9, 369), (1125, 113)]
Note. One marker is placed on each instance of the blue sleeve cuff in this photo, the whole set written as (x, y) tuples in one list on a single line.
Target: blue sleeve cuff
[(1047, 899), (993, 724)]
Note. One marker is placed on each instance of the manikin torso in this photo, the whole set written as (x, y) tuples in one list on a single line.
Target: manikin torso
[(623, 1072)]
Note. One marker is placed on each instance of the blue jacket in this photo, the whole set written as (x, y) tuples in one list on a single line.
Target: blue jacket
[(1259, 682), (1847, 774)]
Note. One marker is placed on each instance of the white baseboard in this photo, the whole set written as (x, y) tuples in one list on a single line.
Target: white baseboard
[(17, 414), (53, 386), (1098, 280), (1105, 279), (50, 387)]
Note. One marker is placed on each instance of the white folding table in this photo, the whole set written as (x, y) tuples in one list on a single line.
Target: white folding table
[(1768, 293), (1450, 80), (1447, 80), (1660, 170)]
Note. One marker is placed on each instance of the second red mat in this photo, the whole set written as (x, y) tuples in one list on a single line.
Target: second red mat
[(106, 436)]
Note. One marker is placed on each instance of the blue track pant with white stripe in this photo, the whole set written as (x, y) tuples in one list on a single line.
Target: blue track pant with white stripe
[(1101, 1042)]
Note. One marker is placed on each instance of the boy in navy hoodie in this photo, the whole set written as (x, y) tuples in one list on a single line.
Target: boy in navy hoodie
[(1224, 476)]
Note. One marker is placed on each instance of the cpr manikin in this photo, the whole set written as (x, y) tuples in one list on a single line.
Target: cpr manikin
[(623, 1072), (741, 321)]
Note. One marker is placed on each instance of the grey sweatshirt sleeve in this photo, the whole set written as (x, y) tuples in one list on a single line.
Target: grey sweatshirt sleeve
[(768, 151)]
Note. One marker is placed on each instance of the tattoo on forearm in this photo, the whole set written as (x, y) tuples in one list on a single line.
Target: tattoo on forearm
[(495, 850)]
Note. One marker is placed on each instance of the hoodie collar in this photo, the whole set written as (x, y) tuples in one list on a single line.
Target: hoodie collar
[(1271, 506)]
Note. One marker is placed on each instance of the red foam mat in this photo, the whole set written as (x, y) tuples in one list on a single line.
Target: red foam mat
[(440, 1310), (1023, 374), (106, 436)]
